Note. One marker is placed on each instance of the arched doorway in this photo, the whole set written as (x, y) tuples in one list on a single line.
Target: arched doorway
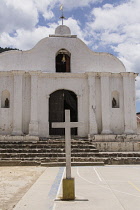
[(58, 102), (62, 61)]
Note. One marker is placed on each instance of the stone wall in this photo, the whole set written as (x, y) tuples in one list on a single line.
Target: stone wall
[(138, 128), (118, 146), (116, 143)]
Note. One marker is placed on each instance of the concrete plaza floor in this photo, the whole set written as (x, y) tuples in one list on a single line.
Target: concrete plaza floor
[(96, 188)]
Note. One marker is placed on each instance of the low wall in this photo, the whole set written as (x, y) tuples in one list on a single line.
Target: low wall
[(116, 143), (118, 146), (115, 138), (138, 128), (18, 138)]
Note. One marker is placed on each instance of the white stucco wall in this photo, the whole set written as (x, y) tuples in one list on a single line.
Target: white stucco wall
[(6, 114), (48, 83), (117, 116), (89, 102), (42, 57)]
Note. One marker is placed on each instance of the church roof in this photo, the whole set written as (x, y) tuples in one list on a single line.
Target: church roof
[(42, 56)]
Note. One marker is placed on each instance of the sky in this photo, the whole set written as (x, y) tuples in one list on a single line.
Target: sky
[(111, 26)]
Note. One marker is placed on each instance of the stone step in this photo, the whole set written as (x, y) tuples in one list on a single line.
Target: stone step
[(43, 142), (121, 160), (95, 153), (51, 162), (47, 164), (47, 150), (54, 164), (33, 145), (22, 155), (119, 154), (38, 161), (52, 159)]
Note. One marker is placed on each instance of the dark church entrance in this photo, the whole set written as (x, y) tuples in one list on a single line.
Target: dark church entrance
[(58, 102)]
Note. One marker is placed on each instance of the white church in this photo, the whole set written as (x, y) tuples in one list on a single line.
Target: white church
[(59, 73)]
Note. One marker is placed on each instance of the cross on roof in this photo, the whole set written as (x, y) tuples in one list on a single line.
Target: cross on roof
[(62, 16)]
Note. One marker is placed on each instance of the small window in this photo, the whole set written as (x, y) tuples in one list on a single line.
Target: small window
[(115, 99), (62, 61), (5, 99)]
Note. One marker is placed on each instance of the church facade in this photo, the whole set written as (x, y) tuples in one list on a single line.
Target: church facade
[(61, 72)]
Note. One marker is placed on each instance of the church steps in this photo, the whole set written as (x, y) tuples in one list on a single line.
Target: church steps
[(47, 151), (52, 152)]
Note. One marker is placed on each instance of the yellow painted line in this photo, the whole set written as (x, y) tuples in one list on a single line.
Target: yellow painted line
[(134, 186)]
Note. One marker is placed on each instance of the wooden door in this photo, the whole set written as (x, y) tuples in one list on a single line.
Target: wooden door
[(58, 102), (56, 111)]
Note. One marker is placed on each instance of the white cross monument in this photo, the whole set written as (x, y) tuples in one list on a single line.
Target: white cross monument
[(68, 183)]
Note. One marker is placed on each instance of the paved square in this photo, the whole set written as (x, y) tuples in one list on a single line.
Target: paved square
[(97, 188)]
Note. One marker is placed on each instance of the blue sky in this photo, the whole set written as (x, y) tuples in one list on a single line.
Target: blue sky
[(104, 25)]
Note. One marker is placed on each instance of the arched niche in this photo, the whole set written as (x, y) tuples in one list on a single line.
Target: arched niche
[(5, 99), (62, 61), (115, 99)]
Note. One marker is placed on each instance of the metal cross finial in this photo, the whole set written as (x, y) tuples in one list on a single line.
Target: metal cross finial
[(62, 16)]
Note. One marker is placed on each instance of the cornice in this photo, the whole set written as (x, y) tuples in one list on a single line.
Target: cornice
[(116, 75), (129, 74), (63, 36), (34, 73), (105, 74), (5, 73), (62, 75), (17, 72)]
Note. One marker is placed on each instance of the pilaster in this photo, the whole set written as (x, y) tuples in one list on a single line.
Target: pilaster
[(129, 102), (17, 104), (133, 100), (92, 105), (47, 111), (105, 100), (33, 126), (80, 115)]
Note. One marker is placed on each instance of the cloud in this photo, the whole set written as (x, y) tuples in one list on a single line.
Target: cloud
[(71, 4), (117, 27), (26, 39), (17, 14)]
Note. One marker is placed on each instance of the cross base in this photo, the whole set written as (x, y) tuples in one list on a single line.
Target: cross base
[(68, 189)]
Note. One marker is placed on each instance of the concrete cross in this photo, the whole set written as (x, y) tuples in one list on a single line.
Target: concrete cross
[(67, 125)]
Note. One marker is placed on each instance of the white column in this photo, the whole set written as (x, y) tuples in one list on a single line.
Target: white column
[(81, 131), (92, 104), (33, 126), (129, 103), (106, 104), (17, 104), (133, 101), (47, 111)]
